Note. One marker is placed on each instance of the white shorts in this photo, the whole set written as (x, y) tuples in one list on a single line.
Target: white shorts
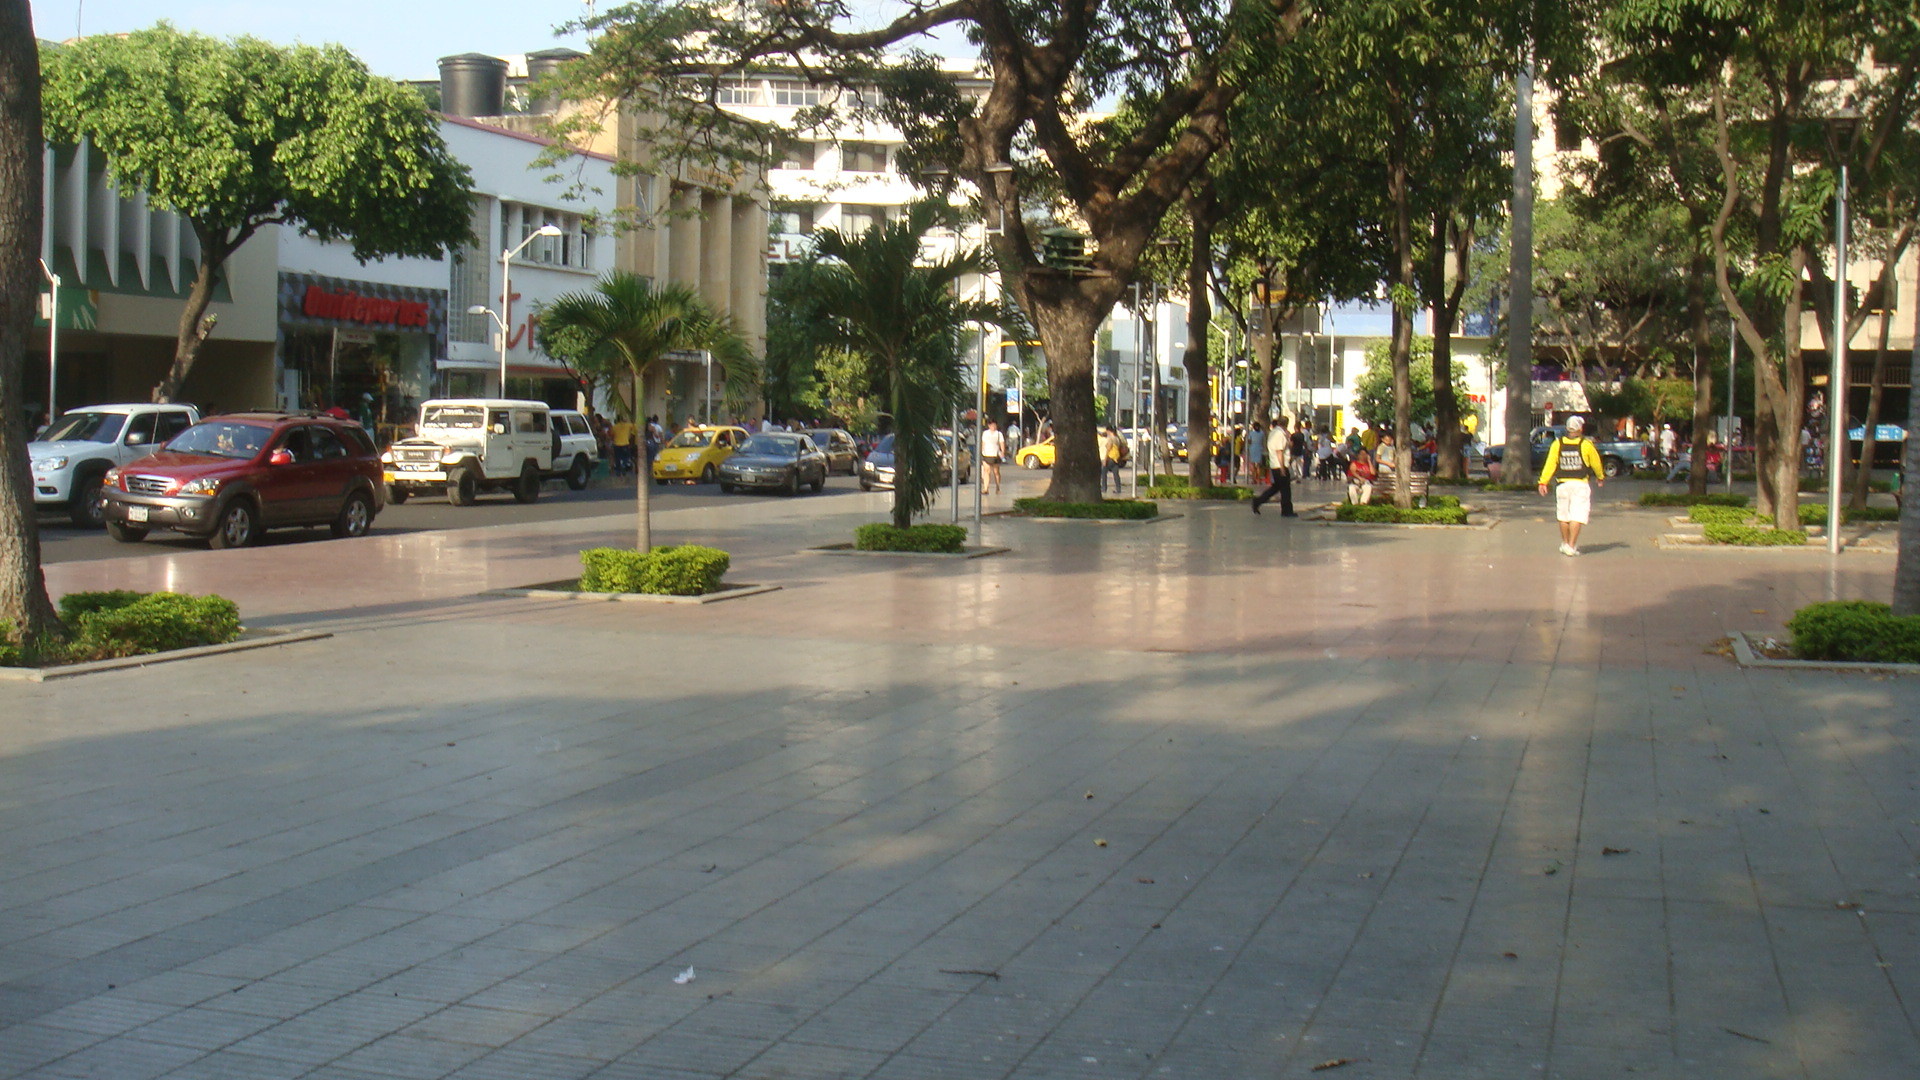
[(1573, 500)]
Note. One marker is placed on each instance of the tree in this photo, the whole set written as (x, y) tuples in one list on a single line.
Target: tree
[(627, 320), (902, 317), (1025, 145), (235, 136), (26, 613), (1373, 391)]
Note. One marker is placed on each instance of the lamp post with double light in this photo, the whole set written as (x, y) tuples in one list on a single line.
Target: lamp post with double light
[(506, 293), (1842, 126)]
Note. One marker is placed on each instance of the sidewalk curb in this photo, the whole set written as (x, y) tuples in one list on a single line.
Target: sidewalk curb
[(1014, 515), (979, 552), (547, 590), (255, 639), (1745, 655)]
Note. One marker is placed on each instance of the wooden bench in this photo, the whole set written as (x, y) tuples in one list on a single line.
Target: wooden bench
[(1384, 487)]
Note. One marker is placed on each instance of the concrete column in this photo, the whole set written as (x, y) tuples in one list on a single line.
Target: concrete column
[(684, 239), (716, 251), (749, 271)]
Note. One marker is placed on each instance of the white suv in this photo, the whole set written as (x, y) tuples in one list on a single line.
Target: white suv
[(575, 449), (76, 451), (466, 446)]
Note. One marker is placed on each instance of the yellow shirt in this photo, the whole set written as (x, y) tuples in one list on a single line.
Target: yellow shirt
[(1369, 439), (623, 433), (1588, 456)]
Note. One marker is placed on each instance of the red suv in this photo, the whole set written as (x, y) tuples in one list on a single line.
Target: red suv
[(230, 478)]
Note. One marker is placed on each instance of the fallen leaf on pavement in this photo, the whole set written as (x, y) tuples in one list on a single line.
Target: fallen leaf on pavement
[(1334, 1064), (1099, 843), (1616, 851), (1144, 880)]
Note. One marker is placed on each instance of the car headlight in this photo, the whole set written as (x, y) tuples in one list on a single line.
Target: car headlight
[(205, 485), (50, 463), (111, 477), (386, 458), (450, 456)]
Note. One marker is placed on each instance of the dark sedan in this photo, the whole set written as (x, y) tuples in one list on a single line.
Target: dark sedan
[(878, 469), (843, 454), (776, 461)]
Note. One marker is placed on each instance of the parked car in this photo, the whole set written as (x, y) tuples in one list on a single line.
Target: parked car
[(1618, 457), (70, 461), (877, 471), (229, 479), (843, 454), (468, 446), (575, 449), (780, 461), (1036, 456), (695, 454)]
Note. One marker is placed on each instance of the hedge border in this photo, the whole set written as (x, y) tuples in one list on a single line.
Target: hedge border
[(249, 640)]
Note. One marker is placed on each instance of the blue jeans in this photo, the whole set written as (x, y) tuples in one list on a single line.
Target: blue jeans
[(1110, 468)]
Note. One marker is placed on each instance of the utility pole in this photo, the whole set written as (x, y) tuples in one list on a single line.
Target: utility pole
[(1519, 419)]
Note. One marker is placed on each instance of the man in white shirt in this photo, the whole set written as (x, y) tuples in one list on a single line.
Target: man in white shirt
[(993, 450), (1278, 451)]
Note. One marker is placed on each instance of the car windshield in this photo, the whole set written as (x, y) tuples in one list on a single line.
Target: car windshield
[(101, 427), (219, 438), (455, 416), (772, 445), (885, 445), (691, 439), (820, 439)]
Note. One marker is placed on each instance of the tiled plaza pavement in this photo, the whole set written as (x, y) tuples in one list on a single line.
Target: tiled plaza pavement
[(1220, 797)]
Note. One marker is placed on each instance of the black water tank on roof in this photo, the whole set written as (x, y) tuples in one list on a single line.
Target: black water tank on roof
[(473, 84), (540, 65)]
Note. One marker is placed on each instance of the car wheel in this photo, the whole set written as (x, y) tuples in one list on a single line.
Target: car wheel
[(356, 517), (125, 533), (792, 486), (820, 484), (88, 508), (237, 527), (1030, 461), (660, 483), (397, 494), (866, 485), (461, 486), (1612, 466), (527, 488), (707, 475), (726, 488), (581, 472)]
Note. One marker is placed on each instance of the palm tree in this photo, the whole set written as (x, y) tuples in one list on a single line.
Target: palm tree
[(627, 320), (902, 316)]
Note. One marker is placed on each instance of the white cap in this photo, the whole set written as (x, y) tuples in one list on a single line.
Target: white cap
[(1574, 423)]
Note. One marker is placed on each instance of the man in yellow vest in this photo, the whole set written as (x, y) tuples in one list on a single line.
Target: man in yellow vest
[(1574, 469)]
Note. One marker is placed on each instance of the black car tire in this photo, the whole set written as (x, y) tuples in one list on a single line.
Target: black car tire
[(461, 486), (581, 472), (87, 508), (527, 488), (707, 474), (660, 483), (397, 494), (726, 488), (1030, 461), (1612, 466), (793, 483), (866, 485), (820, 484), (237, 526), (125, 533), (356, 517)]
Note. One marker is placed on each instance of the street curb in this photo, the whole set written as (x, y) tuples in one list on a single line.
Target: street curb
[(1013, 515), (1746, 657), (253, 639), (1471, 526), (963, 554), (549, 590), (1687, 542)]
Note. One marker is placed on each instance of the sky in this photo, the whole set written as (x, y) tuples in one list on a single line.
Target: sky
[(401, 39)]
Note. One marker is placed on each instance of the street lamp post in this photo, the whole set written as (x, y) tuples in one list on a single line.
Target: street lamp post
[(506, 293), (1837, 377), (53, 342)]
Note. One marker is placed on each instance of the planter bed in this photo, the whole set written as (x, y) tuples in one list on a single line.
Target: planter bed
[(974, 552), (1756, 650), (1015, 515), (250, 639), (569, 589)]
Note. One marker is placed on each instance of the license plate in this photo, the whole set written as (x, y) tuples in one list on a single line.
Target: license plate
[(136, 513)]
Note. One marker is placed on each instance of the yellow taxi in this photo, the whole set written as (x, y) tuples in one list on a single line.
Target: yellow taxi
[(1037, 456), (695, 454)]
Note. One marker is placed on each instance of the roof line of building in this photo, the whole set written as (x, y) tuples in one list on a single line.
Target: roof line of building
[(476, 125)]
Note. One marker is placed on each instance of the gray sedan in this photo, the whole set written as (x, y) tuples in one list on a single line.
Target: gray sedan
[(777, 462)]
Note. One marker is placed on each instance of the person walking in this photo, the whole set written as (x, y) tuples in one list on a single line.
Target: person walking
[(622, 446), (1300, 451), (993, 450), (1574, 469), (1279, 463), (1113, 454), (1257, 453)]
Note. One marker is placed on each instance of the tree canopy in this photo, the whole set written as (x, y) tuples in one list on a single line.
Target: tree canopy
[(237, 135)]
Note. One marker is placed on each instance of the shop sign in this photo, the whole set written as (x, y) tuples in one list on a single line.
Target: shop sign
[(350, 306)]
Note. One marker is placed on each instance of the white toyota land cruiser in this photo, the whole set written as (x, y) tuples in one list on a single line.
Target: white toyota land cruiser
[(466, 446)]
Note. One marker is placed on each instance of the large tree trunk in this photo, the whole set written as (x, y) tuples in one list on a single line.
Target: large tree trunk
[(1406, 285), (1067, 325), (1906, 570), (23, 588), (1196, 361), (195, 323), (1876, 388), (1702, 375), (1517, 464), (1446, 310)]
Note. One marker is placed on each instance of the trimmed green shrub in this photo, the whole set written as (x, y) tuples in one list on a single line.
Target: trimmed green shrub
[(1106, 509), (1874, 513), (1855, 630), (685, 570), (1183, 490), (1393, 515), (9, 645), (1816, 514), (155, 622), (881, 536), (1681, 498), (1712, 514), (1753, 535), (75, 606)]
